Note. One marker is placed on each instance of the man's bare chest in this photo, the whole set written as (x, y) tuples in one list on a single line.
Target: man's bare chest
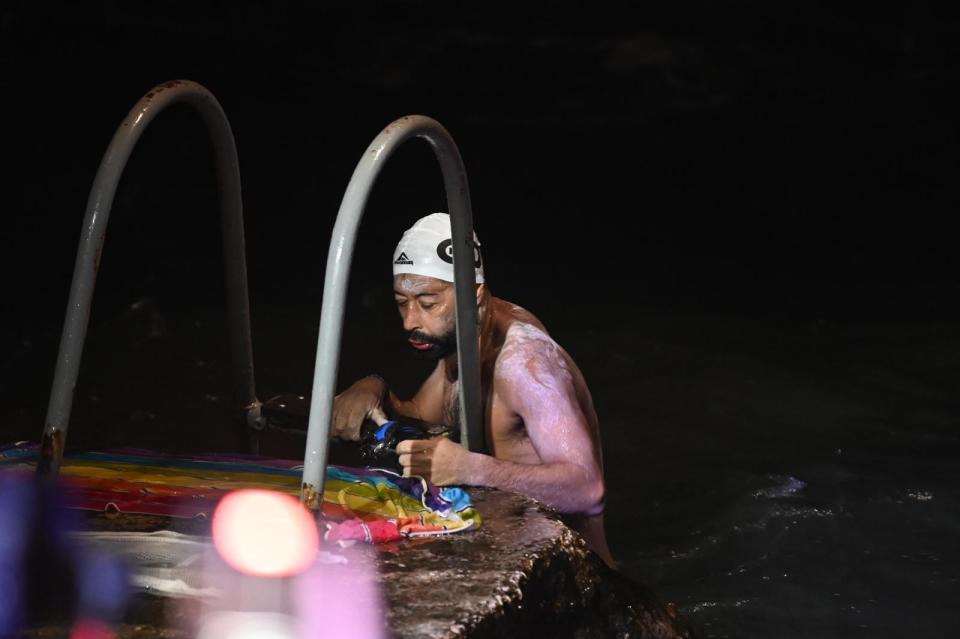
[(450, 408), (505, 431)]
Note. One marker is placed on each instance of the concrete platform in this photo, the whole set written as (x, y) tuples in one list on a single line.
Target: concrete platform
[(522, 573)]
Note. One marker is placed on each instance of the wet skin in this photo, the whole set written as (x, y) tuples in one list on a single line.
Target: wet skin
[(541, 428)]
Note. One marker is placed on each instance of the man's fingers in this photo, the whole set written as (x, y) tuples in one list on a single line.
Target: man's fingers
[(378, 416), (417, 445), (346, 425), (413, 459), (414, 462), (415, 471)]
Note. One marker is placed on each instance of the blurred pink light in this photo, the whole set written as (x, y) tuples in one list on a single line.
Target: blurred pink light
[(91, 629), (264, 533), (341, 600)]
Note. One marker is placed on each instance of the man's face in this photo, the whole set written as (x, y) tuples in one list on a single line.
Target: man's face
[(426, 306)]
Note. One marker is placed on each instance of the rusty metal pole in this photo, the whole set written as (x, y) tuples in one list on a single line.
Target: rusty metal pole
[(335, 291), (91, 245)]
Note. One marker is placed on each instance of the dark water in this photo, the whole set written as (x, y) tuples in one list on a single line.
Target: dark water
[(793, 502), (733, 217), (763, 491)]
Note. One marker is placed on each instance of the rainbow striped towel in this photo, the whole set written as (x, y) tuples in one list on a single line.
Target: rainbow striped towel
[(358, 504)]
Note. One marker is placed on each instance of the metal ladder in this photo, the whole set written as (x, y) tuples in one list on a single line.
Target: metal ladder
[(92, 237), (340, 253), (335, 291)]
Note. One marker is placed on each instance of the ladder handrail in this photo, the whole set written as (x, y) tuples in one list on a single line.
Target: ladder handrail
[(335, 290), (92, 237)]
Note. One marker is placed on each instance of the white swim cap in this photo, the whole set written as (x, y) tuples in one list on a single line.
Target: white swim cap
[(426, 248)]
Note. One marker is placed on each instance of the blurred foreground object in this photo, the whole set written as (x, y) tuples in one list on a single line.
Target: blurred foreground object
[(264, 533), (45, 575), (275, 583)]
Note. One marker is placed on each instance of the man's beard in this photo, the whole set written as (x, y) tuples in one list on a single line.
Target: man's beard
[(441, 345)]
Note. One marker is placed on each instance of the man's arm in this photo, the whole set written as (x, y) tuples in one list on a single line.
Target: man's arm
[(426, 406), (371, 398), (564, 487), (532, 378)]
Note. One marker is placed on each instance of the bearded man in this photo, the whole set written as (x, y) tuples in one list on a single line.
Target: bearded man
[(540, 424)]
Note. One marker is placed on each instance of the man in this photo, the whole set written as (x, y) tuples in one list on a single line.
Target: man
[(541, 428)]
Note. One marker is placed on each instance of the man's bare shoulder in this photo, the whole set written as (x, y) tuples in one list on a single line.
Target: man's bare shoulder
[(508, 313), (530, 360)]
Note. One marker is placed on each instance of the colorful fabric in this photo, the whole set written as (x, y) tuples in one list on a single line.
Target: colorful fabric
[(358, 504)]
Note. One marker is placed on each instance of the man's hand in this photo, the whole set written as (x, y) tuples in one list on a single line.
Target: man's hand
[(363, 400), (437, 460)]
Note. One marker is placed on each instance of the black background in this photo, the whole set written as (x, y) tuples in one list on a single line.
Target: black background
[(794, 155), (793, 163), (737, 216)]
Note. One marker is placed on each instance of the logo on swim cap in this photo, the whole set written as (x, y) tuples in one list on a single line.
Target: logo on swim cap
[(426, 248), (445, 253)]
